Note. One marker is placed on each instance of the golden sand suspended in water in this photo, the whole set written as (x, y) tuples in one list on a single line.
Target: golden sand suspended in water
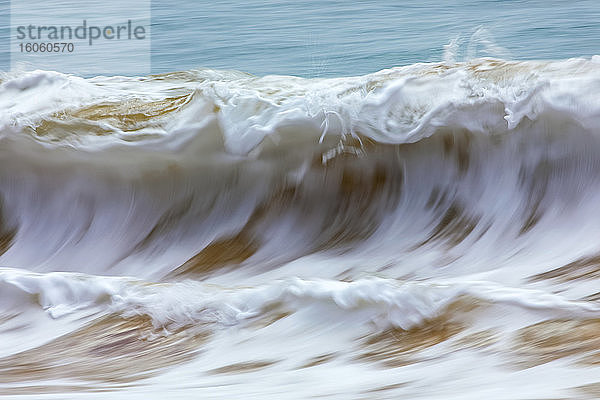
[(590, 391), (477, 340), (221, 253), (243, 367), (585, 268), (592, 297), (7, 235), (109, 352), (386, 388), (126, 116), (6, 239), (319, 360), (398, 347), (454, 227), (536, 184), (269, 315), (551, 340), (353, 190)]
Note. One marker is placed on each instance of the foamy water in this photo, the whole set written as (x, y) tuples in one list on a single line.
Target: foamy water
[(426, 231)]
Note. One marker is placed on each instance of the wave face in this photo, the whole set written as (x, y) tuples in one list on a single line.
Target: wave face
[(388, 227)]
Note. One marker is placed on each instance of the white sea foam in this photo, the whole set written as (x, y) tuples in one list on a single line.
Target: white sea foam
[(389, 303), (399, 105)]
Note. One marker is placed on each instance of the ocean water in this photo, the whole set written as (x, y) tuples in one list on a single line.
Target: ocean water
[(310, 200), (312, 38)]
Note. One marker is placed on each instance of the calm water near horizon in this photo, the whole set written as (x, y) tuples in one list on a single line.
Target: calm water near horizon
[(312, 38)]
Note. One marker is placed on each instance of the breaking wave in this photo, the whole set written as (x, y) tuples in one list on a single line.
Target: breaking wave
[(377, 203)]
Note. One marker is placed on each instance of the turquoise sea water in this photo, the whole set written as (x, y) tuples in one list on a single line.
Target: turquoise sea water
[(313, 38)]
